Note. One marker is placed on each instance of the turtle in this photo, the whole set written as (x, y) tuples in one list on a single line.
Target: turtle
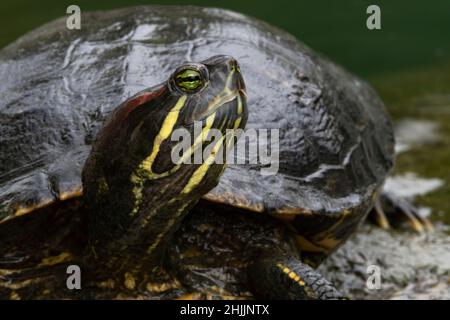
[(88, 182)]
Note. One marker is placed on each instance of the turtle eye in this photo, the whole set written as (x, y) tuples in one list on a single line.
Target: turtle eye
[(189, 80)]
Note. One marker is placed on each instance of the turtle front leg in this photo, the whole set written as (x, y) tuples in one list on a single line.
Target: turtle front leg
[(287, 278), (391, 208)]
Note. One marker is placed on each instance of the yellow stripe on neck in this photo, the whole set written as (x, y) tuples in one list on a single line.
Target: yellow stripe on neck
[(198, 175), (145, 167), (168, 226), (240, 106), (166, 130), (200, 139)]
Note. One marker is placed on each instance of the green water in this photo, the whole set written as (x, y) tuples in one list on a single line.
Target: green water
[(408, 61)]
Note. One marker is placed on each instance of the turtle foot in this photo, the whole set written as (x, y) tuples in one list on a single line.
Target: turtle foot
[(390, 210)]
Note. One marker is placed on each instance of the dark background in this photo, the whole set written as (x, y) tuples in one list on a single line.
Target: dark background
[(414, 32)]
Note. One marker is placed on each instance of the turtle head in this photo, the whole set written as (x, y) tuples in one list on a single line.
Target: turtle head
[(157, 153), (213, 84)]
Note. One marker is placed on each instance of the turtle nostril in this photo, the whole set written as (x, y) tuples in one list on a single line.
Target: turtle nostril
[(236, 67), (233, 63)]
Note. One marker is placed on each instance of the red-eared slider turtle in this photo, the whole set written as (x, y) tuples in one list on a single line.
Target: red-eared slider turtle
[(114, 214)]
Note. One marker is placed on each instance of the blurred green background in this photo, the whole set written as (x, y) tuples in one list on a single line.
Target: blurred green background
[(407, 61), (414, 32)]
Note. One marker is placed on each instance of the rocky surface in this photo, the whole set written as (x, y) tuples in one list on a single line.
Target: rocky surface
[(412, 266)]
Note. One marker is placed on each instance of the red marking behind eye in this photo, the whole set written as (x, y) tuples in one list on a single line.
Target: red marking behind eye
[(122, 112), (139, 100)]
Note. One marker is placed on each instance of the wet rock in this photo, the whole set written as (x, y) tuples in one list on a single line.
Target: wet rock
[(413, 132), (409, 185)]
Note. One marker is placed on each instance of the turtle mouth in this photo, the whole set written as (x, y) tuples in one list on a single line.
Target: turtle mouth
[(243, 93), (240, 84)]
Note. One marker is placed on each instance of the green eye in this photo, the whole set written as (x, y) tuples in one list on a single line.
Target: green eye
[(189, 80)]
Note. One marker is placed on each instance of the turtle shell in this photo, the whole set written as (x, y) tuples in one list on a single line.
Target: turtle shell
[(58, 85)]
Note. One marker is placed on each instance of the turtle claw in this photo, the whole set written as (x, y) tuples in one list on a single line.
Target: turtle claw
[(380, 216), (393, 207)]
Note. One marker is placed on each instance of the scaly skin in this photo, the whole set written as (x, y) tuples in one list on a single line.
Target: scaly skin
[(134, 196)]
